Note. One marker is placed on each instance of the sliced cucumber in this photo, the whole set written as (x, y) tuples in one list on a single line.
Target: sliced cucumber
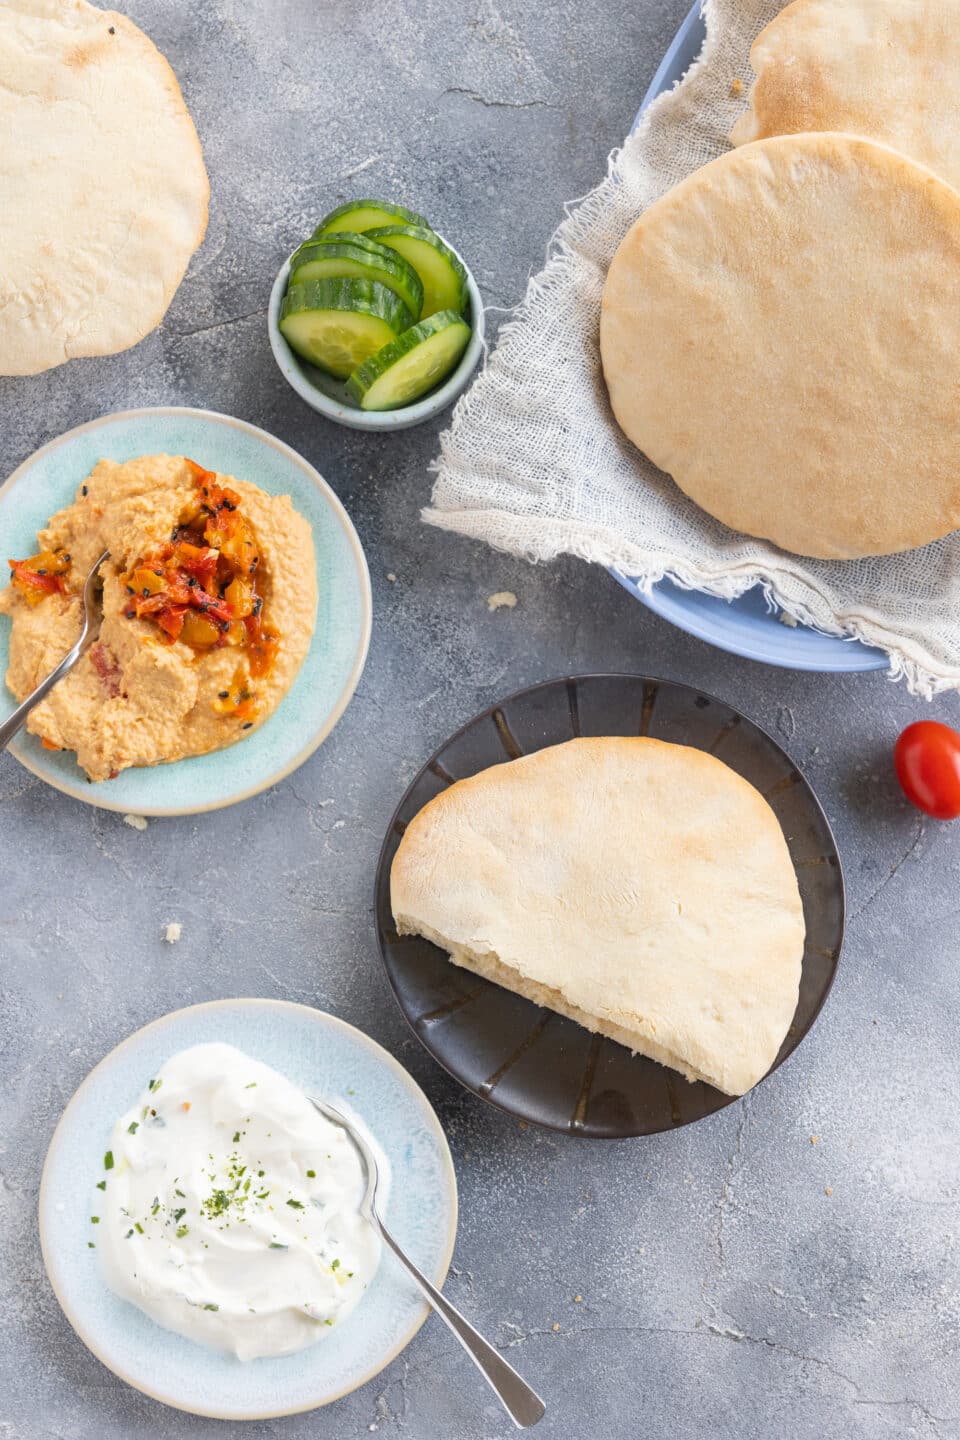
[(360, 215), (337, 324), (412, 364), (348, 256), (444, 278)]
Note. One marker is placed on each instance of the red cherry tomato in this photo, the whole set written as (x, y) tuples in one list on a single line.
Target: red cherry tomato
[(927, 761)]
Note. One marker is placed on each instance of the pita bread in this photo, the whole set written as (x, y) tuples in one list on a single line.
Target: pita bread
[(103, 191), (886, 69), (643, 889), (781, 334)]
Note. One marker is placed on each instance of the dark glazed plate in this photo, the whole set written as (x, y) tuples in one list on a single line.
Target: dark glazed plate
[(530, 1061)]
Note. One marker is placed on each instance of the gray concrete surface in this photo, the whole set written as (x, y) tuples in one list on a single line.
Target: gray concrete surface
[(738, 1282)]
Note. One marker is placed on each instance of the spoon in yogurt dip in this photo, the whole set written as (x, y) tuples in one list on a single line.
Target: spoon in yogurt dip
[(521, 1403), (91, 617)]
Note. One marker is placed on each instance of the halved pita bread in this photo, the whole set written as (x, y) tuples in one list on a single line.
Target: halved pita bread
[(886, 69), (643, 889), (103, 191), (780, 332)]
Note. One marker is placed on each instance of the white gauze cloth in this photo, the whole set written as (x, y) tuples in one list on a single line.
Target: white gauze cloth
[(534, 463)]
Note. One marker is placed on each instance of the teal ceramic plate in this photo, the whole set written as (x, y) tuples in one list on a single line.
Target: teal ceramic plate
[(329, 675), (330, 1059)]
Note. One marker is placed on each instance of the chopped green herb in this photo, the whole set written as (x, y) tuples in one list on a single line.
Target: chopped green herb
[(251, 1086), (334, 1264), (128, 1234), (295, 1204), (275, 1245), (101, 1184), (261, 1173), (108, 1160), (210, 1306), (180, 1193), (139, 1228), (236, 1137), (181, 1231), (154, 1085), (179, 1214), (90, 1245), (311, 1174), (94, 1219), (133, 1127)]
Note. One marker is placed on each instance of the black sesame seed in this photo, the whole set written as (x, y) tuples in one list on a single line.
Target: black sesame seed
[(224, 695), (247, 726), (112, 30), (83, 490)]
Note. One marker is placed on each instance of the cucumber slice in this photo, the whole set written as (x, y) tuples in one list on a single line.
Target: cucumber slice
[(444, 278), (337, 324), (412, 364), (348, 256), (360, 215)]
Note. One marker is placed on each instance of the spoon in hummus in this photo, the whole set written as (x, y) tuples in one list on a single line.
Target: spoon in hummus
[(522, 1404), (91, 619)]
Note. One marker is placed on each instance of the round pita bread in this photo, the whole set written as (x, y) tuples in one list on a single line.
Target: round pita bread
[(103, 191), (641, 888), (781, 334), (886, 69)]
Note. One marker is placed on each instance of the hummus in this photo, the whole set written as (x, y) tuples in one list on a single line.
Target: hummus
[(209, 603)]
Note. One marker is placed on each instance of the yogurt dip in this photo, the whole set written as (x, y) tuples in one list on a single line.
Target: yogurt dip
[(227, 1209)]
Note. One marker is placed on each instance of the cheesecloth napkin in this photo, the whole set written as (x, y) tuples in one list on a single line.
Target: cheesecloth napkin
[(534, 463)]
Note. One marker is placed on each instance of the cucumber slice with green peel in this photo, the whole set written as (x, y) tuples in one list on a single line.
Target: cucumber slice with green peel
[(348, 256), (412, 364), (444, 278), (337, 324), (360, 215)]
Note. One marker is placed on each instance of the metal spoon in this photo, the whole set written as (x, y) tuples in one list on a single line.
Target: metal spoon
[(522, 1404), (91, 614)]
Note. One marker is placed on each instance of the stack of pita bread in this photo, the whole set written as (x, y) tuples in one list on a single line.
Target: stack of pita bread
[(781, 331)]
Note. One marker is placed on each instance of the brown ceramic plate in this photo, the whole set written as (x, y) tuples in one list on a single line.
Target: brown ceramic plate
[(534, 1063)]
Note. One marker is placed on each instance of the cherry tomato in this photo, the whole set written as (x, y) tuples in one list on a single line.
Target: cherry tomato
[(927, 761)]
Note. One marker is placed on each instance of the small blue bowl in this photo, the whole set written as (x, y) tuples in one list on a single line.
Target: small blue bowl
[(329, 396)]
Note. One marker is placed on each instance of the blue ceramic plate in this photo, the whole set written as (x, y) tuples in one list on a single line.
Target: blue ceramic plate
[(745, 626), (329, 1059), (329, 675)]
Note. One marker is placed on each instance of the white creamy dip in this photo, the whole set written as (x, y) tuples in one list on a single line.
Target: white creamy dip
[(228, 1208)]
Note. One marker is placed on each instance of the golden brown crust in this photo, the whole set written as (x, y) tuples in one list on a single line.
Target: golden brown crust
[(885, 69), (781, 334)]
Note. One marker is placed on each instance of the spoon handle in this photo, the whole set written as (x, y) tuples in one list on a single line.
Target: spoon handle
[(522, 1404), (12, 724)]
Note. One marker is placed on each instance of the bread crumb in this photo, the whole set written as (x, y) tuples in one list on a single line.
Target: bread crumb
[(736, 87), (391, 577), (789, 620), (502, 600), (577, 1299), (814, 1139), (828, 1190), (173, 932), (524, 1125), (136, 822), (556, 1325)]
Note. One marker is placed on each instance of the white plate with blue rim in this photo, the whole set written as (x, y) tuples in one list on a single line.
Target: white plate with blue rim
[(48, 481), (747, 626), (327, 1058)]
